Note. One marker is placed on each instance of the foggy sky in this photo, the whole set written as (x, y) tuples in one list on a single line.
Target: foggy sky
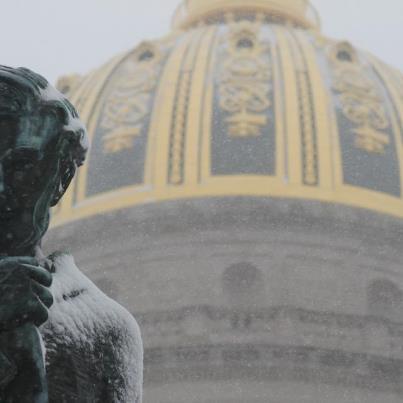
[(55, 37)]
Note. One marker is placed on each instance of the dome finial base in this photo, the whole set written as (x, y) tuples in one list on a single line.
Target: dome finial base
[(300, 12)]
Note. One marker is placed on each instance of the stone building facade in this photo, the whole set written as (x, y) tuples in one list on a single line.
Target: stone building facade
[(243, 198)]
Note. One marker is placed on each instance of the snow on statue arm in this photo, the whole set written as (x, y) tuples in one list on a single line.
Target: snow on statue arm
[(94, 334)]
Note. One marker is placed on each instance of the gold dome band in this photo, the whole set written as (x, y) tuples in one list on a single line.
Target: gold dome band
[(300, 12)]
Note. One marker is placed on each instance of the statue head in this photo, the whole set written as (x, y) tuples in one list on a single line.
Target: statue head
[(42, 142)]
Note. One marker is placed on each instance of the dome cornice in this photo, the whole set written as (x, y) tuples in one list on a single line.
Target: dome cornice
[(299, 12)]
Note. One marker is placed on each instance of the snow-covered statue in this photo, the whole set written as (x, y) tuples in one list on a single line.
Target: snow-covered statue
[(61, 339)]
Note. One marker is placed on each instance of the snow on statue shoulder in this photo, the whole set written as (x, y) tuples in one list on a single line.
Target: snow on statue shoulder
[(90, 332)]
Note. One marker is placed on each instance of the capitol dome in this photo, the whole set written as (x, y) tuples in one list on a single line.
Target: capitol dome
[(243, 198)]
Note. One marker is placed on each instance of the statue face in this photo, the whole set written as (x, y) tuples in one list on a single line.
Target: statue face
[(40, 149)]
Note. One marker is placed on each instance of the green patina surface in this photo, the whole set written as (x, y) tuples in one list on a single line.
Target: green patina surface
[(41, 144)]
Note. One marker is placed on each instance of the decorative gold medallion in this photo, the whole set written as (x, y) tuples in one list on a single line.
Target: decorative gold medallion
[(128, 104), (360, 100), (244, 83)]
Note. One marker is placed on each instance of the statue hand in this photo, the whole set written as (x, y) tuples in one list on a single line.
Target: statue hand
[(24, 296)]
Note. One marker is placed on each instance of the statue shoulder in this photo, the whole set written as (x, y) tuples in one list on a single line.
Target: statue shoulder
[(76, 295), (82, 313)]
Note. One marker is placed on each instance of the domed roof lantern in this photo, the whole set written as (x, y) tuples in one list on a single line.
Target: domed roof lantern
[(299, 12)]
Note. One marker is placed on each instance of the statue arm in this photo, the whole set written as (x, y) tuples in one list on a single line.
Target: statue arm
[(24, 300), (8, 371)]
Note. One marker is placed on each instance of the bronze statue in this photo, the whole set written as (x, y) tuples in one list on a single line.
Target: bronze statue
[(91, 346)]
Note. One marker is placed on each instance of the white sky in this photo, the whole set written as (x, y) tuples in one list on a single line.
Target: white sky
[(56, 37)]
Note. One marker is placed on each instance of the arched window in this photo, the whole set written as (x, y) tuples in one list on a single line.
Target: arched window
[(245, 43), (385, 299), (344, 56), (243, 284), (146, 55), (344, 52)]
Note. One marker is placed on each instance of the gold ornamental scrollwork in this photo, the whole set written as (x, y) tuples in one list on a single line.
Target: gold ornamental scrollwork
[(128, 104), (244, 81), (360, 100)]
